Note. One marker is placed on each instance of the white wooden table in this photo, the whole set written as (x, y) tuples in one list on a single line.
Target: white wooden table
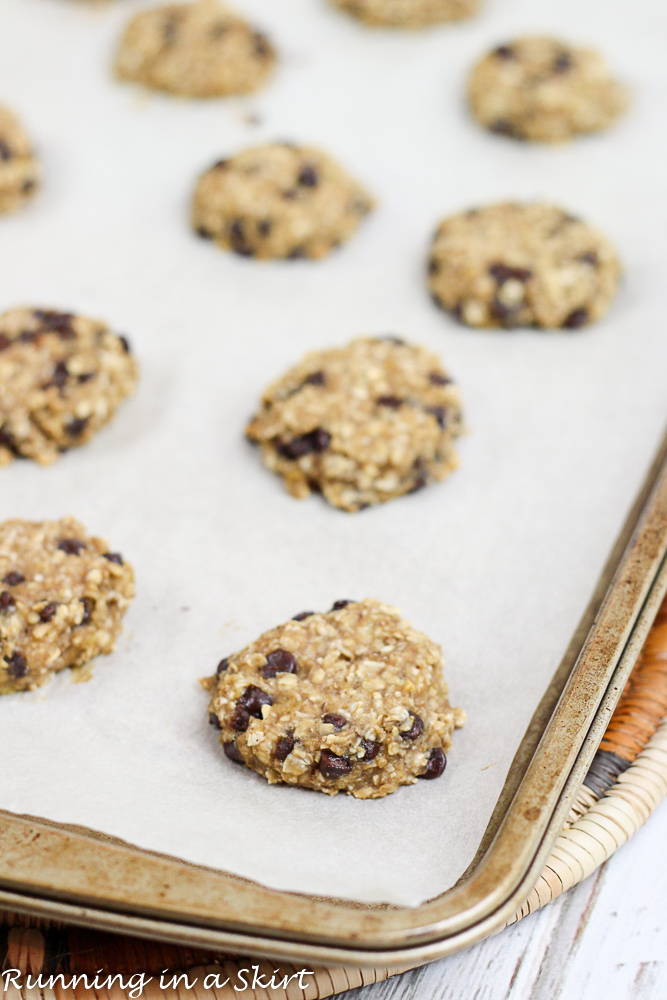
[(604, 940)]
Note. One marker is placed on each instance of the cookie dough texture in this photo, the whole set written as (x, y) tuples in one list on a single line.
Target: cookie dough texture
[(279, 201), (544, 90), (198, 49), (61, 378), (513, 265), (408, 13), (62, 597), (349, 701), (360, 424), (19, 171)]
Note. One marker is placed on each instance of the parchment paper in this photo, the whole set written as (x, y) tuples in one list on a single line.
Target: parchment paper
[(497, 563)]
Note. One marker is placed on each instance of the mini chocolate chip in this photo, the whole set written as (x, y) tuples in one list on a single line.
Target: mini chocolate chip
[(502, 127), (302, 616), (221, 667), (252, 699), (502, 273), (335, 720), (47, 612), (59, 377), (220, 165), (332, 766), (237, 239), (309, 177), (76, 427), (28, 186), (125, 344), (437, 762), (114, 557), (240, 719), (298, 253), (339, 605), (6, 601), (433, 266), (213, 720), (264, 227), (372, 749), (419, 482), (262, 46), (72, 546), (284, 746), (86, 377), (4, 342), (391, 338), (577, 318), (204, 233), (360, 206), (562, 62), (315, 378), (5, 151), (280, 661), (7, 441), (56, 322), (436, 378), (504, 52), (290, 194), (590, 257), (219, 29), (13, 578), (233, 752), (440, 414), (16, 665), (393, 402), (316, 440), (88, 608), (416, 729), (170, 30), (27, 337), (437, 301)]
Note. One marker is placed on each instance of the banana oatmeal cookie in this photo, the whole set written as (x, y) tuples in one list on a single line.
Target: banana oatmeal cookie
[(360, 424), (62, 597), (61, 378), (544, 90), (278, 201), (19, 171), (198, 49), (513, 265), (353, 701), (408, 13)]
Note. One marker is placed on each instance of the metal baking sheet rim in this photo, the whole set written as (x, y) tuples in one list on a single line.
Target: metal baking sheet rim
[(91, 880)]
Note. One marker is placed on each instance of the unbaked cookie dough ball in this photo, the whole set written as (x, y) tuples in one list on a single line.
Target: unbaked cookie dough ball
[(19, 170), (62, 377), (62, 597), (408, 13), (279, 201), (198, 49), (513, 265), (353, 701), (543, 90), (360, 424)]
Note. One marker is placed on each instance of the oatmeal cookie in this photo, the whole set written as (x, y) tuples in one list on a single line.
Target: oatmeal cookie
[(19, 171), (62, 598), (544, 90), (198, 49), (61, 378), (353, 701), (408, 13), (278, 201), (360, 424), (513, 265)]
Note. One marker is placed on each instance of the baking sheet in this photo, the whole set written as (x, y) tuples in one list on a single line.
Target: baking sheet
[(496, 564)]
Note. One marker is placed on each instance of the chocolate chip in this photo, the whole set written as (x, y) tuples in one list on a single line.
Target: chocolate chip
[(221, 667), (114, 557), (13, 578), (315, 378), (416, 729), (86, 377), (264, 227), (7, 601), (502, 273), (504, 52), (72, 546), (437, 762), (220, 165), (332, 766), (204, 233), (419, 482), (125, 344), (316, 440), (502, 127), (590, 257), (59, 377), (393, 402), (371, 748), (233, 752), (55, 322), (562, 63), (237, 239), (284, 746), (309, 177), (335, 720), (252, 699), (76, 427), (88, 608), (4, 342), (280, 661), (440, 414), (5, 151), (302, 616), (27, 337), (433, 266), (47, 612), (213, 720), (577, 318), (436, 378), (240, 719), (339, 605), (16, 665), (298, 253), (262, 46)]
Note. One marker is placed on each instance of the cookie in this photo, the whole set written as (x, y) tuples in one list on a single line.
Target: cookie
[(514, 265), (198, 49), (62, 597), (544, 90), (278, 201), (353, 701), (360, 424), (408, 13), (61, 378), (19, 171)]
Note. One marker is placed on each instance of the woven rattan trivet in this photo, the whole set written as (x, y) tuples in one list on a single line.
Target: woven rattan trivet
[(627, 780)]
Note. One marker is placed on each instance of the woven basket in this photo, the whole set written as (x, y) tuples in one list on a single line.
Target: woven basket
[(626, 781)]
